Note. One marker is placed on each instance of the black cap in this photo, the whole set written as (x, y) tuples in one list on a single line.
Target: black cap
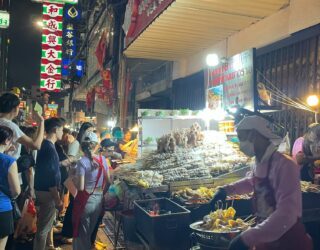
[(106, 143)]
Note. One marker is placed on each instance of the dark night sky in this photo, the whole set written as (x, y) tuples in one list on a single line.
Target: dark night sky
[(25, 44)]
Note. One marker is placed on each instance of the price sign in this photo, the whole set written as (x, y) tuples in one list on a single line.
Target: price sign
[(4, 19)]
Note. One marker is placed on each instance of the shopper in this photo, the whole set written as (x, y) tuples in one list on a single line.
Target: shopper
[(93, 176), (67, 231), (275, 183), (9, 185), (85, 127), (9, 110), (308, 158), (73, 148), (26, 163), (47, 183), (108, 149)]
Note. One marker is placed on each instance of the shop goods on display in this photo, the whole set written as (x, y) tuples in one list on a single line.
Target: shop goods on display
[(202, 195), (191, 137), (206, 159), (308, 187), (225, 221), (133, 176)]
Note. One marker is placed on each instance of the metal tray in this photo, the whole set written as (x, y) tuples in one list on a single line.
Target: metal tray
[(212, 239)]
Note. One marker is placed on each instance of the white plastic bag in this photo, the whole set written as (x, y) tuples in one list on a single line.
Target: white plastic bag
[(284, 146)]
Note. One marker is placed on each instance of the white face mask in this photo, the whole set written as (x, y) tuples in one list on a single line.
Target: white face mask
[(247, 148)]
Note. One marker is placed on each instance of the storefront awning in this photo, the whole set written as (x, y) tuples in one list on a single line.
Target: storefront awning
[(188, 26)]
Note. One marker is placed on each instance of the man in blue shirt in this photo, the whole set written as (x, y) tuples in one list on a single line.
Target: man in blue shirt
[(47, 182)]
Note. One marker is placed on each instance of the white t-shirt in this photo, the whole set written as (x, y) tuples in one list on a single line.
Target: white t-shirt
[(17, 133)]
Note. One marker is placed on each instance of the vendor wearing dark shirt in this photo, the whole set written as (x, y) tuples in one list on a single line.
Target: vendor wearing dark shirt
[(47, 182)]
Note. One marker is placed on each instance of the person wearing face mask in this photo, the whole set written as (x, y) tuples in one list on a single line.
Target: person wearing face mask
[(275, 183)]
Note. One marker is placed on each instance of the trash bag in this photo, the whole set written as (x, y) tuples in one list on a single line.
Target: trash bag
[(28, 222)]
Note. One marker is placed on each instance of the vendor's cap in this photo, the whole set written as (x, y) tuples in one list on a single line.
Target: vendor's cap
[(107, 143), (261, 125), (90, 137)]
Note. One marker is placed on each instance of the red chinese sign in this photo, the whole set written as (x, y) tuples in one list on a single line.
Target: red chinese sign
[(139, 14), (51, 47)]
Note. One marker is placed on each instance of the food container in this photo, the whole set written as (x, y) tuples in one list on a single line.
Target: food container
[(166, 231), (208, 240)]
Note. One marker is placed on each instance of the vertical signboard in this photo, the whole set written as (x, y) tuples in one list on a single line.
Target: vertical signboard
[(51, 47), (232, 84), (70, 67)]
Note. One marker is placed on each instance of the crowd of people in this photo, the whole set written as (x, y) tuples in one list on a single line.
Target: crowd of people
[(65, 172)]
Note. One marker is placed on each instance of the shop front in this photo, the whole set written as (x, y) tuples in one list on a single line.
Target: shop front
[(187, 152)]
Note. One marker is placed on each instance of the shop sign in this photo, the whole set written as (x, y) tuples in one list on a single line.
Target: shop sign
[(139, 14), (51, 47), (79, 68), (72, 13), (70, 66), (4, 19), (69, 39), (232, 84), (50, 84)]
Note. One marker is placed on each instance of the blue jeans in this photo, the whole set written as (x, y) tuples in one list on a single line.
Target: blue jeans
[(88, 221)]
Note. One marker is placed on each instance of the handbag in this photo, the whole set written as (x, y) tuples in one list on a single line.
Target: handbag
[(81, 200), (16, 213)]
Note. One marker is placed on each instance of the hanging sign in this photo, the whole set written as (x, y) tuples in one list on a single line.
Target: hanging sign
[(232, 84), (51, 47), (4, 19)]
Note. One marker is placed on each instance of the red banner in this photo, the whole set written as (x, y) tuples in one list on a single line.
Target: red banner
[(139, 14)]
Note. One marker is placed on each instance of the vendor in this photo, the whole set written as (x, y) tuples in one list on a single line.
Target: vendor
[(275, 183), (108, 148), (308, 157)]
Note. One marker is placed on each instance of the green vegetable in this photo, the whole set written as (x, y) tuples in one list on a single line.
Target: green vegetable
[(184, 111), (159, 113), (145, 113)]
